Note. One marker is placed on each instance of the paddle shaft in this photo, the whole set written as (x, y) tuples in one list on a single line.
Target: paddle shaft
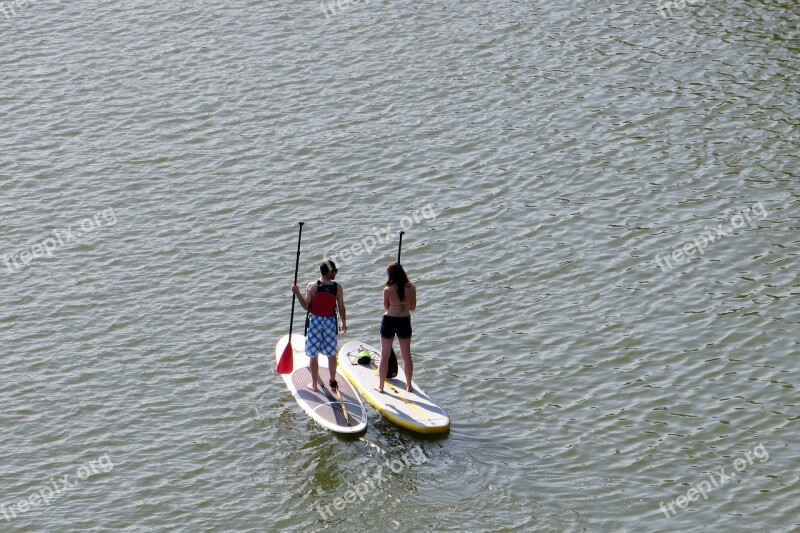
[(400, 246), (341, 401), (296, 268)]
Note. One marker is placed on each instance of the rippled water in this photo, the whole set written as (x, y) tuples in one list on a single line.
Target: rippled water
[(561, 147)]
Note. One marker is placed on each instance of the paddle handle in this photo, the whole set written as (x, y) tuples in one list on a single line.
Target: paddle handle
[(400, 246)]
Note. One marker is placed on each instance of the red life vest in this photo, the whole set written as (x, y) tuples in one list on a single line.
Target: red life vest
[(324, 301)]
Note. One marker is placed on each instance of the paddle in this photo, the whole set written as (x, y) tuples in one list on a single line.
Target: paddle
[(341, 401), (286, 364), (338, 395)]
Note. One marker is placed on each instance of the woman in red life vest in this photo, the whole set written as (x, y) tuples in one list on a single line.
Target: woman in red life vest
[(322, 299), (399, 299)]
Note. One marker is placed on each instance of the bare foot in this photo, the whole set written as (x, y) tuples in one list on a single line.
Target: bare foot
[(313, 387), (379, 390), (410, 388)]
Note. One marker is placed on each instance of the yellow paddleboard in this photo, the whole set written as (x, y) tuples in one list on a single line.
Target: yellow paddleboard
[(415, 411)]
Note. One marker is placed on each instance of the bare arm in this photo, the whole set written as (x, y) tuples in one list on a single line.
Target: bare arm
[(304, 301), (412, 297), (386, 302)]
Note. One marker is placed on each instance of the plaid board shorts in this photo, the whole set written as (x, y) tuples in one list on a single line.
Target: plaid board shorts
[(321, 336)]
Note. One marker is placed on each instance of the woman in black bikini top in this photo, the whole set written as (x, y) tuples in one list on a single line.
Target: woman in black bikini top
[(399, 299)]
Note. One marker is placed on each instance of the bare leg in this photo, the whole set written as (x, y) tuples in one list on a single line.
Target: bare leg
[(314, 374), (383, 367), (332, 367), (408, 366)]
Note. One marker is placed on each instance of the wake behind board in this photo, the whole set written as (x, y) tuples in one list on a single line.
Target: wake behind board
[(323, 406), (415, 411)]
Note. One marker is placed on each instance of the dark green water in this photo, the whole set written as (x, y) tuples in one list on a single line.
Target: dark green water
[(554, 154)]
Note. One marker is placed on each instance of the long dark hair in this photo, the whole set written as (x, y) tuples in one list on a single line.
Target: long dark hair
[(397, 276)]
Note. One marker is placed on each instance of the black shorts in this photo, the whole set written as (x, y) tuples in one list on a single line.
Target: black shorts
[(396, 325)]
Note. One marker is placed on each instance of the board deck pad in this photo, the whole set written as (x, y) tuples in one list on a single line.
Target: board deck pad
[(325, 401), (415, 410), (323, 406)]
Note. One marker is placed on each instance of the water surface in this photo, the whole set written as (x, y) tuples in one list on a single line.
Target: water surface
[(561, 147)]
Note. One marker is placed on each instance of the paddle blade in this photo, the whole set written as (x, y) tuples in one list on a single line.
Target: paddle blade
[(286, 364), (393, 368)]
